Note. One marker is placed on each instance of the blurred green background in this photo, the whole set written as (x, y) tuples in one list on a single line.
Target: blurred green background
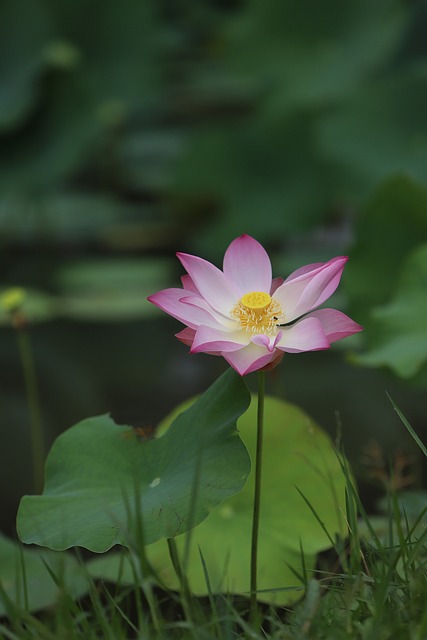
[(133, 129)]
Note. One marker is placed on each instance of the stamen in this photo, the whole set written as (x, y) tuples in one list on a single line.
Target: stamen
[(258, 312)]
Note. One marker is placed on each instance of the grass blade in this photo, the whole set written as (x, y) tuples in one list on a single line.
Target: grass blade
[(408, 427)]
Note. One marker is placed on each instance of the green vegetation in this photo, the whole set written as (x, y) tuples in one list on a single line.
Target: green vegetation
[(371, 584)]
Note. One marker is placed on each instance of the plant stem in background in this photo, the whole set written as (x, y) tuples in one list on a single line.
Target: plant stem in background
[(36, 423), (257, 497), (182, 579)]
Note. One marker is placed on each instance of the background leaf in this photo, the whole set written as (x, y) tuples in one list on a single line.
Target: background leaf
[(37, 306), (298, 456), (305, 54), (99, 474), (111, 290), (399, 328), (22, 58), (392, 225), (34, 588), (380, 130)]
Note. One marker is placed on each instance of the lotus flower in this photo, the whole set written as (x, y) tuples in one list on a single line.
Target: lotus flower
[(250, 319)]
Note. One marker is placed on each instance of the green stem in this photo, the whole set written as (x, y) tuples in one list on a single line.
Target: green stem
[(194, 495), (36, 422), (143, 573), (182, 578), (257, 498)]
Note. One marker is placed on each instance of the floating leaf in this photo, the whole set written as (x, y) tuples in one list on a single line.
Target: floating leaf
[(412, 505), (22, 44), (96, 290), (392, 225), (66, 129), (100, 476), (309, 53), (111, 289), (298, 457), (380, 130), (388, 528), (119, 58), (399, 328), (101, 77), (36, 306), (261, 189), (25, 577)]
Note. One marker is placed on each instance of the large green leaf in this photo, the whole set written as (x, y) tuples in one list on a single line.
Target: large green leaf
[(399, 328), (33, 579), (282, 566), (263, 172), (298, 459), (22, 45), (392, 225), (306, 53), (381, 129), (100, 476), (80, 216), (111, 290), (65, 131), (96, 290), (118, 62), (37, 306), (102, 76)]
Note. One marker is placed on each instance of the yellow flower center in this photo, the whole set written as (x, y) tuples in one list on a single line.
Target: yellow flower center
[(256, 300), (258, 312)]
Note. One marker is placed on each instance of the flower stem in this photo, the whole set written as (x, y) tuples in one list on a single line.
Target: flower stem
[(257, 498), (36, 423), (182, 578)]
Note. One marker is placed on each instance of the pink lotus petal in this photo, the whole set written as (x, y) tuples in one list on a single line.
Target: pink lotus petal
[(306, 291), (250, 358), (276, 360), (211, 282), (169, 300), (186, 336), (188, 284), (247, 265), (201, 303), (335, 324), (269, 342), (208, 339), (305, 335), (276, 283), (303, 270)]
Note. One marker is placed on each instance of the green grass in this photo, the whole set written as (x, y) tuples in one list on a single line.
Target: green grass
[(385, 599), (371, 585)]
